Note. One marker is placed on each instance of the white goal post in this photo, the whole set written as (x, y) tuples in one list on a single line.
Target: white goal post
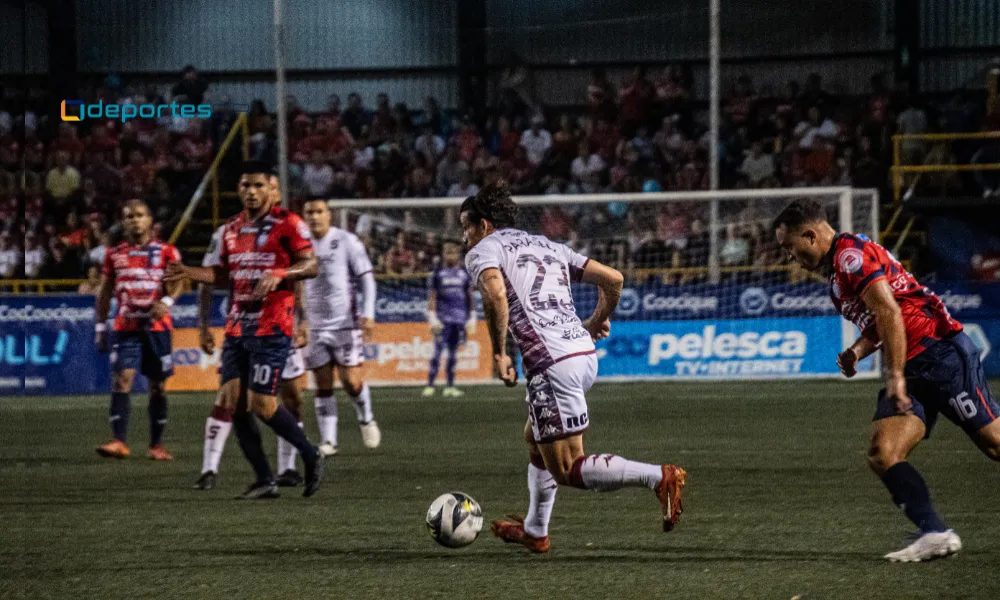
[(708, 294)]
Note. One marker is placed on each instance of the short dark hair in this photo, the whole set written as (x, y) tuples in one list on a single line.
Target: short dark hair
[(492, 203), (798, 213), (255, 167), (136, 202)]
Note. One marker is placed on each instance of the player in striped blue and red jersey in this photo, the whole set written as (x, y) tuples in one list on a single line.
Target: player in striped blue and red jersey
[(265, 250), (931, 366), (133, 273)]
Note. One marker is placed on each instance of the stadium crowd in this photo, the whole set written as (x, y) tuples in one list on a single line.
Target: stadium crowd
[(62, 183)]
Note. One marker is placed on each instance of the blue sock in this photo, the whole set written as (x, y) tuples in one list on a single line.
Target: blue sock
[(450, 365), (247, 432), (157, 417), (910, 493), (121, 406), (287, 426), (435, 364)]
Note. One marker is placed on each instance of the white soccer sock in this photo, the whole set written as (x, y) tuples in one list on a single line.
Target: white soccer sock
[(216, 433), (607, 472), (286, 454), (541, 497), (363, 405), (326, 416)]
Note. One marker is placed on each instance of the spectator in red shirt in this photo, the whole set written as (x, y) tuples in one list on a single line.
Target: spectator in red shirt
[(73, 234), (740, 103), (556, 224), (636, 102), (604, 140), (601, 96), (506, 139), (67, 142), (400, 259), (138, 174), (467, 141), (101, 140)]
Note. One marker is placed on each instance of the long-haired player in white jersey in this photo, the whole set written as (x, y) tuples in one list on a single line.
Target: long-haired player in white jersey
[(220, 422), (525, 284), (338, 329)]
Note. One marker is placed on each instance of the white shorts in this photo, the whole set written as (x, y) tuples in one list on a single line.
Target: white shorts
[(557, 403), (343, 347), (295, 366)]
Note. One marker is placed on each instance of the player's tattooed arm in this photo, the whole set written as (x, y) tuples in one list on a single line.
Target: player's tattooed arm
[(495, 310), (609, 284), (102, 309), (205, 338), (880, 301), (301, 320), (304, 266), (178, 271)]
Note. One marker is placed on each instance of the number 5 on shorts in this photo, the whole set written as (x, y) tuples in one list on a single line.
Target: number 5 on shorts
[(964, 406)]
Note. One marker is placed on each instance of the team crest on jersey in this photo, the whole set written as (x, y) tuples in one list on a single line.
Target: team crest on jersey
[(851, 260)]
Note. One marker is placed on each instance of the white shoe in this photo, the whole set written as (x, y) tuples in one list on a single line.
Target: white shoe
[(371, 435), (327, 449), (429, 391), (928, 547), (453, 392)]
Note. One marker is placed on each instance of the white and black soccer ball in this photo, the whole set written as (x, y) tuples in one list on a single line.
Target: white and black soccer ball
[(454, 519)]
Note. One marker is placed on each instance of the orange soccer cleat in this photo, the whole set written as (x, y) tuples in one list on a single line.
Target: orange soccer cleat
[(158, 453), (512, 532), (114, 449), (669, 493)]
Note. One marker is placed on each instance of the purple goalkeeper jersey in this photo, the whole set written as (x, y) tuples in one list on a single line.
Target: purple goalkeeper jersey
[(453, 294)]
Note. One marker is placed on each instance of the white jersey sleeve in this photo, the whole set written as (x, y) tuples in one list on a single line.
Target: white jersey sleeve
[(213, 254), (487, 254), (357, 256)]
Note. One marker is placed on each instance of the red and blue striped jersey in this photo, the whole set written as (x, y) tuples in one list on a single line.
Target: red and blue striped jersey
[(138, 276), (855, 263)]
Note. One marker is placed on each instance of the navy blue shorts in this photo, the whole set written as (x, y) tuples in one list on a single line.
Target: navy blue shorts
[(150, 352), (947, 378), (452, 335), (256, 361)]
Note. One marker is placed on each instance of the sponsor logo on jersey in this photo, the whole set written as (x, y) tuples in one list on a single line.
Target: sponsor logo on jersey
[(850, 260)]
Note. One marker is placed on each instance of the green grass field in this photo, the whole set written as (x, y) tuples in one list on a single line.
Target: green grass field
[(779, 504)]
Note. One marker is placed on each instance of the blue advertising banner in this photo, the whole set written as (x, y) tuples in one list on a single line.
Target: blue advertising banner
[(726, 349)]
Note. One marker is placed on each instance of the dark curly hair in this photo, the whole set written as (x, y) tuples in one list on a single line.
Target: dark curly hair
[(492, 203), (800, 212)]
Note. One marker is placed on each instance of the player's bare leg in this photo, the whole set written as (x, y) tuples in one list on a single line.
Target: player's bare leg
[(157, 421), (121, 407), (326, 409), (291, 398), (892, 440), (285, 425), (360, 394), (988, 440), (217, 428)]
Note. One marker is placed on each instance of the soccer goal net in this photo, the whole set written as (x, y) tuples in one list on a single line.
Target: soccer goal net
[(708, 293)]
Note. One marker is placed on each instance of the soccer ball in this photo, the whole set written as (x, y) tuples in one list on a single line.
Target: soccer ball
[(454, 519)]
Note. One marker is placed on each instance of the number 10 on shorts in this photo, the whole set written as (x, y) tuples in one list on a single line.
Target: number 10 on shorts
[(262, 374)]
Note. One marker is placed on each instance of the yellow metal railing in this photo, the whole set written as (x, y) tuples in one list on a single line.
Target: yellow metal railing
[(240, 127), (899, 169)]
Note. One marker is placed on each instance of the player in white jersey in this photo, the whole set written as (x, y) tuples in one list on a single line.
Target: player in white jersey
[(220, 421), (338, 330), (525, 284)]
